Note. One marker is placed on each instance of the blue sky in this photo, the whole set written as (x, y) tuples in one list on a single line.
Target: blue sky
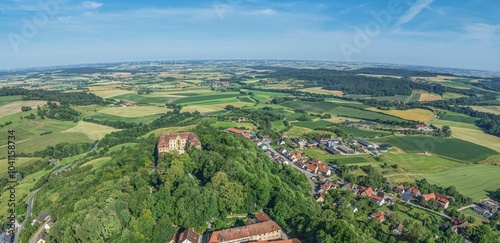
[(462, 34)]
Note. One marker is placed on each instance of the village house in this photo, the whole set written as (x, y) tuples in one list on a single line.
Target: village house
[(379, 200), (302, 143), (441, 200), (42, 237), (268, 230), (411, 192), (458, 225), (397, 229), (379, 216), (188, 236), (179, 142), (238, 132), (45, 215), (365, 191)]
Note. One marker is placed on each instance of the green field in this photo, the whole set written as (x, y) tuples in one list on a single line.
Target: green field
[(20, 162), (143, 119), (345, 160), (246, 99), (417, 164), (144, 99), (224, 125), (448, 147), (355, 132), (309, 106), (362, 114), (473, 181), (205, 98), (415, 96), (458, 118), (9, 99), (313, 124)]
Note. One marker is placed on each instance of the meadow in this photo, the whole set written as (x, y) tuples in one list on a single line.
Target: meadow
[(473, 181), (142, 99), (472, 133), (9, 99), (362, 114), (205, 98), (137, 111), (309, 106), (448, 147), (92, 130), (143, 119), (420, 115)]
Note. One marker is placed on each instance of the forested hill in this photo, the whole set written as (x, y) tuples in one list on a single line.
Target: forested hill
[(395, 72), (352, 83), (122, 201)]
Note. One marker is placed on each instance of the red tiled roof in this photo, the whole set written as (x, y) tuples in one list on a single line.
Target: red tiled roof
[(278, 241), (190, 235), (429, 196), (164, 139), (262, 217), (378, 215), (414, 191), (367, 191), (234, 130), (376, 198), (244, 232)]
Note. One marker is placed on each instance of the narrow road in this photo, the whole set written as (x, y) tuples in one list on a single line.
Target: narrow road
[(466, 207), (429, 210), (32, 198), (28, 214), (55, 172), (305, 172)]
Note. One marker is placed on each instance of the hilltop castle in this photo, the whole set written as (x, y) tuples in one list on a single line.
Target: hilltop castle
[(180, 142)]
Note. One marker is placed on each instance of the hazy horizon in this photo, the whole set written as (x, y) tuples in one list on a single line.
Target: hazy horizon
[(446, 34)]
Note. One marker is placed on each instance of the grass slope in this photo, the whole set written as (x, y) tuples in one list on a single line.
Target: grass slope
[(473, 181), (92, 130), (420, 115)]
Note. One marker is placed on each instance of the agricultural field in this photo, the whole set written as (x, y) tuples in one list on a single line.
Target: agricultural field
[(309, 106), (142, 99), (472, 133), (320, 90), (225, 125), (351, 159), (15, 107), (488, 109), (20, 162), (319, 154), (112, 93), (137, 111), (206, 98), (415, 96), (362, 114), (9, 99), (449, 95), (143, 119), (473, 181), (92, 130), (161, 131), (313, 124), (448, 147), (456, 117), (429, 97), (358, 132), (420, 115)]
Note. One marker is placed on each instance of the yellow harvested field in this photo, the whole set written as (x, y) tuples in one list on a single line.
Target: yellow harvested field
[(111, 93), (429, 97), (15, 107), (420, 115), (488, 109), (93, 131), (137, 111), (121, 74), (320, 90), (162, 131)]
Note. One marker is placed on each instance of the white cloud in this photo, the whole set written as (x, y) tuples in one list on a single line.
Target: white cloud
[(89, 5), (481, 31), (267, 12), (414, 10)]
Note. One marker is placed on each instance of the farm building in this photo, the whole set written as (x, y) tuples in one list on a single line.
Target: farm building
[(365, 143), (345, 149)]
